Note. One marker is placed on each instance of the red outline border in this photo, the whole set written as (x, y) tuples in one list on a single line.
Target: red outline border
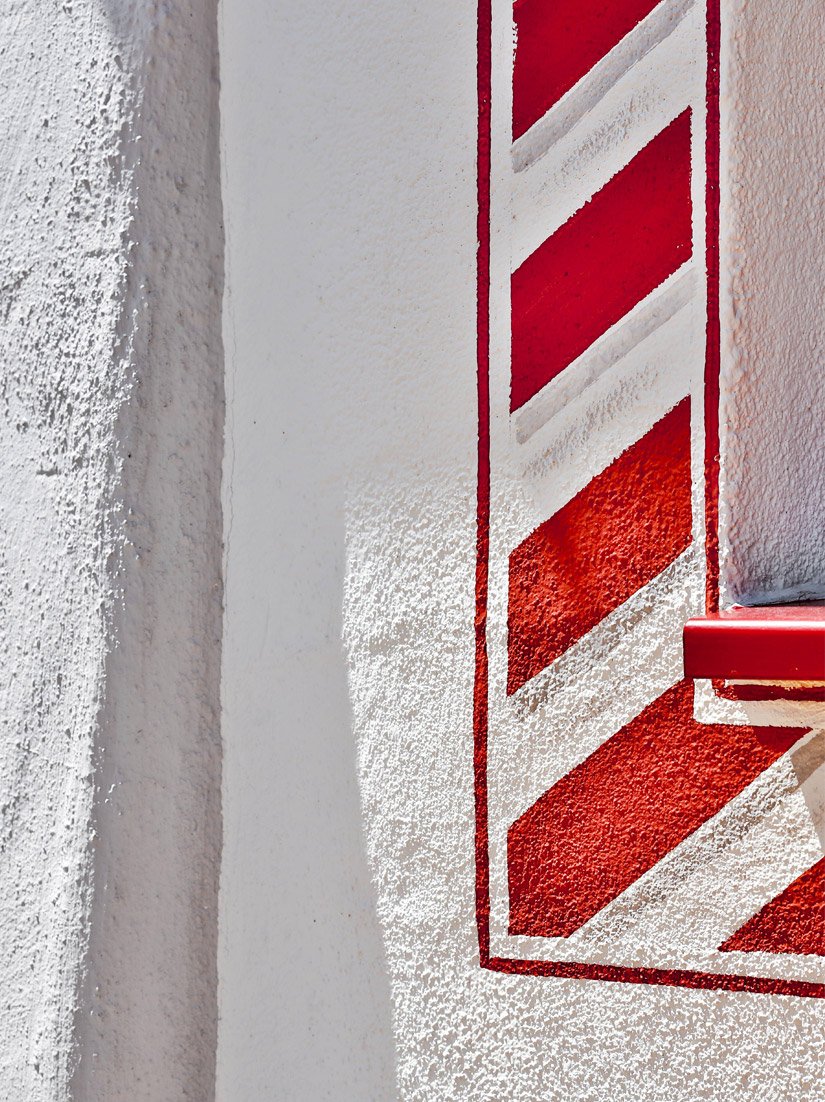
[(712, 347), (480, 690), (566, 969)]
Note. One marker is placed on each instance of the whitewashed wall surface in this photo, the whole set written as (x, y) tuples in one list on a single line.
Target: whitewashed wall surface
[(266, 751)]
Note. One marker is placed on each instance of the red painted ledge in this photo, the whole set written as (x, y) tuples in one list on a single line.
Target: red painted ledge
[(773, 643)]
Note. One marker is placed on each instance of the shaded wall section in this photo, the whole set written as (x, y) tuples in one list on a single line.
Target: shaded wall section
[(350, 160), (773, 276), (146, 1026)]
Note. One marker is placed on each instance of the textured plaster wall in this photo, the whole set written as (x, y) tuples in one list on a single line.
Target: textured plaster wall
[(66, 104), (773, 251), (147, 1028), (111, 422), (349, 190), (348, 957)]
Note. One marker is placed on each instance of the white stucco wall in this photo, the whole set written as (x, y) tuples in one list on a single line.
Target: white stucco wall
[(347, 963), (305, 995), (349, 189), (148, 1013), (111, 383), (67, 188)]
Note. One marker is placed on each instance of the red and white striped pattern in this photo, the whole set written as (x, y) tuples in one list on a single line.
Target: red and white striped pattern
[(621, 833)]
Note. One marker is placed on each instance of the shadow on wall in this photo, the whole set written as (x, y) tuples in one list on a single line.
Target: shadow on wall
[(773, 353), (304, 993), (147, 1019)]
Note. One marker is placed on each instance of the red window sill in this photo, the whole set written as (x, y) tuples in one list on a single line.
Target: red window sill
[(772, 643)]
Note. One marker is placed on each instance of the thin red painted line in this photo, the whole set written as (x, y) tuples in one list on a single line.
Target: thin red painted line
[(712, 352), (480, 696), (667, 977), (562, 969)]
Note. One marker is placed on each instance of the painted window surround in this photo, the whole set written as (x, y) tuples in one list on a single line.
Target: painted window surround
[(541, 300)]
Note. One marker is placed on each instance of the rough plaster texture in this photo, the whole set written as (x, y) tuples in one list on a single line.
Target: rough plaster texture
[(66, 212), (349, 146), (148, 1029), (773, 251), (111, 393)]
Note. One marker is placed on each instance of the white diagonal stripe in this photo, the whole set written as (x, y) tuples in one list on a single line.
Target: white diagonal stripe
[(662, 85)]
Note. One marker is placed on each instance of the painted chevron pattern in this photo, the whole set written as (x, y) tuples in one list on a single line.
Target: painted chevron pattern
[(607, 800), (559, 43), (623, 244)]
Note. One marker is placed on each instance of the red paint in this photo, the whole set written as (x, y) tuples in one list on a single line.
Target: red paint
[(480, 685), (616, 535), (662, 977), (611, 254), (712, 345), (775, 643), (623, 809), (794, 922), (558, 42), (687, 978)]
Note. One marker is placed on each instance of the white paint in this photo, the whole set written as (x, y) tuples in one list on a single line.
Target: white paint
[(348, 956), (313, 222), (621, 66), (111, 403), (66, 192), (628, 351), (148, 1010), (601, 404), (350, 197)]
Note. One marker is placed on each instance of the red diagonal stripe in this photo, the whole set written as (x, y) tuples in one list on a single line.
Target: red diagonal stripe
[(558, 42), (618, 248), (794, 922), (614, 536), (631, 802)]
